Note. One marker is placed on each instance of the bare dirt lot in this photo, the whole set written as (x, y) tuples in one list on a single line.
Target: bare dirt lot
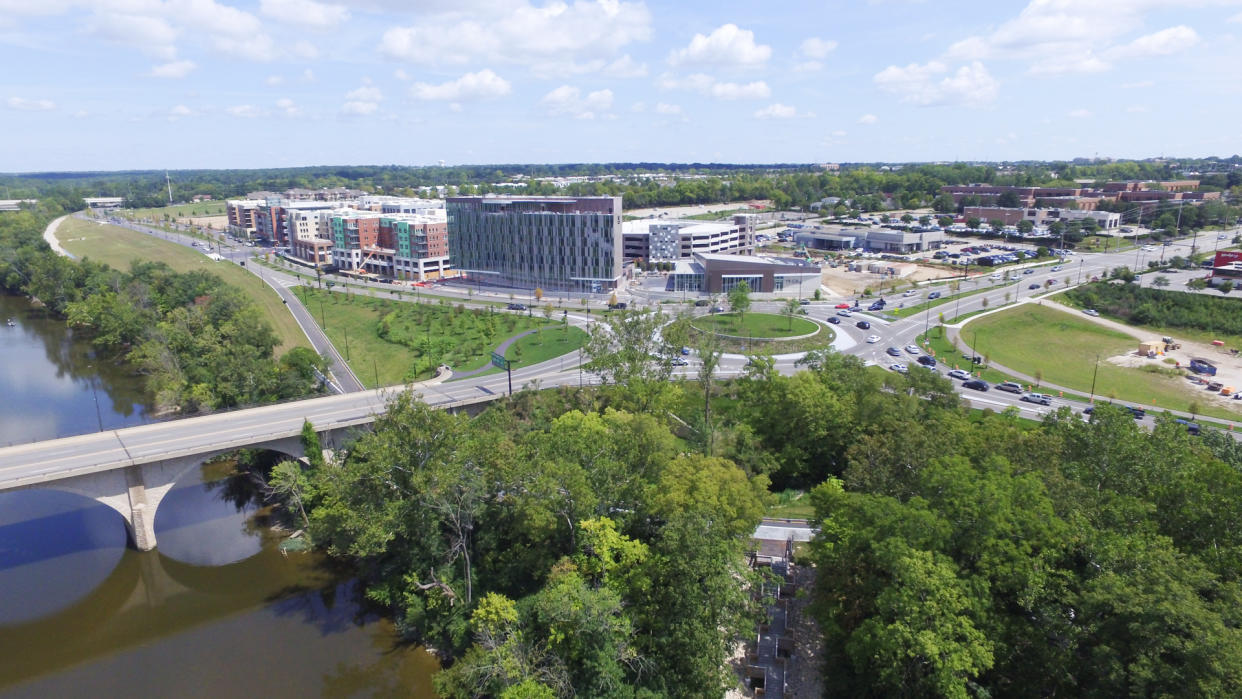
[(842, 282)]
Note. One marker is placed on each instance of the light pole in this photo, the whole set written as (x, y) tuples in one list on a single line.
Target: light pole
[(1094, 373)]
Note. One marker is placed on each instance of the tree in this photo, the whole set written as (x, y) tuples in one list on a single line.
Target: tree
[(944, 204), (538, 294), (925, 220), (790, 309), (739, 299), (944, 221), (1160, 281), (1009, 200), (710, 351), (1025, 227), (996, 225), (907, 218), (973, 223)]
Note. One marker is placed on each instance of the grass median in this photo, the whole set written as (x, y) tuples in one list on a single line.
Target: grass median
[(117, 247)]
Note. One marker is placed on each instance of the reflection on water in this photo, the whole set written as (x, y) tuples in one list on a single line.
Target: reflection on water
[(52, 383), (216, 611)]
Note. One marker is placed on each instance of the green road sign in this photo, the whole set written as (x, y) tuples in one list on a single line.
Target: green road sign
[(499, 361)]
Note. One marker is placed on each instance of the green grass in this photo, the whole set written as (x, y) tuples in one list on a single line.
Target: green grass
[(792, 504), (422, 336), (719, 215), (118, 247), (206, 208), (1064, 347), (552, 342), (957, 359), (755, 325)]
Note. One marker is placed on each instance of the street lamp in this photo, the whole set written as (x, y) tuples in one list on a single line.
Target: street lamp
[(1093, 375)]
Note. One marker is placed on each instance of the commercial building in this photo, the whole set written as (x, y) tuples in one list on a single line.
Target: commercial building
[(104, 202), (658, 240), (400, 246), (1105, 220), (1226, 265), (719, 274), (571, 243), (875, 239)]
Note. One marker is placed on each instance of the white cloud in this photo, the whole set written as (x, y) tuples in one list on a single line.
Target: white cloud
[(366, 93), (625, 67), (1161, 43), (521, 33), (970, 85), (481, 85), (1060, 36), (567, 100), (776, 111), (307, 13), (1079, 113), (669, 109), (24, 105), (817, 48), (175, 69), (728, 45), (288, 107), (808, 66), (245, 111), (867, 119), (710, 87), (151, 35), (304, 50), (1236, 19), (360, 108), (180, 111)]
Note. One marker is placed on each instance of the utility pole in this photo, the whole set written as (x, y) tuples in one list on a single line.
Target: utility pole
[(169, 183), (1093, 375)]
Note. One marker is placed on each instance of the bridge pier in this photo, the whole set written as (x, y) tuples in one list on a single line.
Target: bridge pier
[(140, 522)]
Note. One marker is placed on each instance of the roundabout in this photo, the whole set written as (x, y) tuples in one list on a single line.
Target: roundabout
[(764, 333)]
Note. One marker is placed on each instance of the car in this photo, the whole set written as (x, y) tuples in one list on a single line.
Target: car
[(893, 351), (685, 351), (1092, 312), (702, 302), (1051, 282), (959, 374), (804, 302), (844, 313), (717, 309), (842, 305), (862, 325), (1028, 271), (911, 292), (516, 307), (1041, 398), (1056, 268), (913, 349), (976, 385), (1032, 286), (619, 306), (899, 368), (678, 361), (872, 339), (933, 295), (834, 320), (1009, 387), (1191, 427), (877, 306), (926, 360)]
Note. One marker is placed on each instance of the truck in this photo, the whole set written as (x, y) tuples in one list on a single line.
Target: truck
[(1202, 366)]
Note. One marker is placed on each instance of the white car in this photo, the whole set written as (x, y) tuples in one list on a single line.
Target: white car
[(1092, 312), (899, 368), (1057, 268), (913, 349), (873, 339)]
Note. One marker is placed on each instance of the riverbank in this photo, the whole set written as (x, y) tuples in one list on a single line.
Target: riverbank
[(49, 235)]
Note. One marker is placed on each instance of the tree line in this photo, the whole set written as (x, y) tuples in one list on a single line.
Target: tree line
[(1166, 309), (199, 343)]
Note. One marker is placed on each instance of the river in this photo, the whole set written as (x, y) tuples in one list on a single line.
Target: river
[(217, 610)]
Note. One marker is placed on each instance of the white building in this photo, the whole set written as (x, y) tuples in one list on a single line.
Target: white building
[(654, 239)]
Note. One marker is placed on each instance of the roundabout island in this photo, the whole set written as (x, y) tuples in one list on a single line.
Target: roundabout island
[(763, 333)]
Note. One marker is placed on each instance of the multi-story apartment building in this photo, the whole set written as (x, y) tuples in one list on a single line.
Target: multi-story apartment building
[(571, 243), (400, 246)]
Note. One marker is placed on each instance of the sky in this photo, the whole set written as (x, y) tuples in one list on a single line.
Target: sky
[(153, 84)]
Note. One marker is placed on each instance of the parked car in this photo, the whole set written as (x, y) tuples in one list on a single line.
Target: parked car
[(1009, 387), (976, 385), (959, 374), (1191, 427), (685, 351), (893, 351), (926, 361), (834, 320), (1040, 398), (678, 361), (863, 325)]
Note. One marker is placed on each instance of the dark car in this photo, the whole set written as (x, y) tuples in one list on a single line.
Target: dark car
[(804, 302), (516, 306), (863, 324), (926, 361), (934, 295), (1032, 286), (877, 306), (976, 385), (702, 302), (1191, 427), (617, 306), (834, 320)]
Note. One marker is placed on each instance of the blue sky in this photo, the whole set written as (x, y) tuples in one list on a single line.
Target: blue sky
[(119, 84)]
